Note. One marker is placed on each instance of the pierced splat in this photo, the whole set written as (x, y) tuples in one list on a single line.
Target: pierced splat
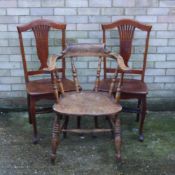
[(41, 37), (126, 33)]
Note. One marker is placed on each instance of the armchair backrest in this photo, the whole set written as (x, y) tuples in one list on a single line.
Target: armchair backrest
[(86, 50)]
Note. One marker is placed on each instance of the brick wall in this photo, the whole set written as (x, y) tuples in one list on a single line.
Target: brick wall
[(84, 18)]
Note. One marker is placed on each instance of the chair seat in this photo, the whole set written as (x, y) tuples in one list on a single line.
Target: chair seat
[(45, 86), (129, 86), (87, 104)]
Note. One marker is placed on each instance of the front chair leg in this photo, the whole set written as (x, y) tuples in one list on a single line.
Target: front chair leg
[(29, 109), (55, 137), (33, 120), (143, 113), (117, 132)]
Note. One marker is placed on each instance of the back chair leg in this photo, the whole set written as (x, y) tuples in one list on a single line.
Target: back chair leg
[(96, 121), (138, 113), (78, 122), (143, 113), (65, 126)]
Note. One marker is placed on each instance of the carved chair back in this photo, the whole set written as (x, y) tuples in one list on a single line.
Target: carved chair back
[(40, 29), (126, 29)]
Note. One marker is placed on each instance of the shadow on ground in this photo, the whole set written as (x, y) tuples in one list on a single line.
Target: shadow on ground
[(87, 155)]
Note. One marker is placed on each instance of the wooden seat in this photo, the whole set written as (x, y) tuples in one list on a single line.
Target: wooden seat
[(87, 103), (41, 88), (130, 88)]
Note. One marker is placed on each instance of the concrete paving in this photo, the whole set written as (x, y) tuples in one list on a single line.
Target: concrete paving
[(86, 155)]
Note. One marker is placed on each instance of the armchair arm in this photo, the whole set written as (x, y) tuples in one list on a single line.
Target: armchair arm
[(51, 63), (120, 62)]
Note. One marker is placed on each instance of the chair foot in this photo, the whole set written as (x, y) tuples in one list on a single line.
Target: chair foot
[(35, 140), (94, 135), (118, 158), (141, 137), (64, 135), (52, 159)]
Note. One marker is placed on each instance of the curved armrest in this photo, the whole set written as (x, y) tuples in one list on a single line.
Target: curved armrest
[(51, 63), (120, 62)]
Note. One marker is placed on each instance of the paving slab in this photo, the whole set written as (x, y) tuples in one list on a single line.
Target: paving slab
[(87, 155)]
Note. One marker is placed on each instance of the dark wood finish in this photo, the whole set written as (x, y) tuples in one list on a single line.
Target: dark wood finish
[(42, 88), (130, 89), (88, 103)]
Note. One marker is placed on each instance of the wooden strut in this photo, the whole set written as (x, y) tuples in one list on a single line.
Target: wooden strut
[(98, 74), (118, 93), (114, 79), (87, 130), (74, 74)]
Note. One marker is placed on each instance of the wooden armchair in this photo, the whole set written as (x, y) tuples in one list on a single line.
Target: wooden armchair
[(86, 103), (130, 88), (41, 88)]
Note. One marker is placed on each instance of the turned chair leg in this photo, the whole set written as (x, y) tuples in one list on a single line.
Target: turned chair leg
[(117, 132), (55, 137), (143, 113), (65, 126), (33, 120), (78, 122), (96, 121)]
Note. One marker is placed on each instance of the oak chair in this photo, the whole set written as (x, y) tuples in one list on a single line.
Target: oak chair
[(131, 88), (41, 88), (86, 103)]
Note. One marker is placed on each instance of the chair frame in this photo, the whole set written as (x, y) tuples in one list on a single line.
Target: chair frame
[(85, 50), (40, 27), (126, 28)]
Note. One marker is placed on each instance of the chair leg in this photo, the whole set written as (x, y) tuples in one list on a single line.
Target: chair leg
[(138, 107), (28, 105), (96, 121), (110, 121), (117, 131), (33, 119), (78, 122), (143, 113), (55, 137), (65, 126)]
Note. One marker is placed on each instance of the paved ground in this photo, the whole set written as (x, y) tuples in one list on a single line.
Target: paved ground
[(86, 155)]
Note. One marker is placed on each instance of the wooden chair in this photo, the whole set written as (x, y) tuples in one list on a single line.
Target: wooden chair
[(86, 103), (130, 88), (41, 88)]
